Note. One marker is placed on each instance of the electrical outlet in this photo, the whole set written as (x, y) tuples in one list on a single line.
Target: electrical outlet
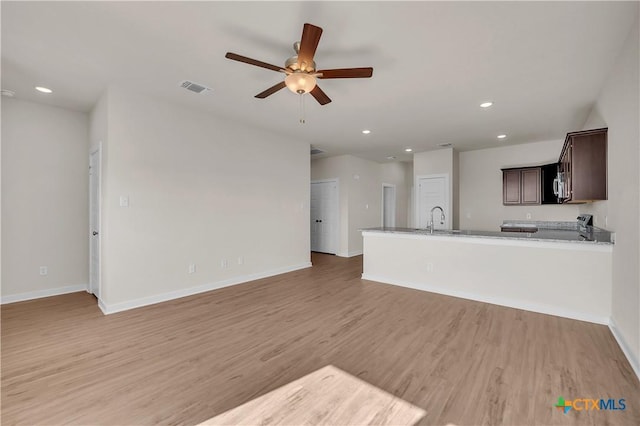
[(240, 260), (528, 215), (124, 201), (44, 270), (224, 263), (192, 268)]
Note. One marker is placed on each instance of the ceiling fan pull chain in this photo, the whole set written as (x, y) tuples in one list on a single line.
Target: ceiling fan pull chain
[(302, 120)]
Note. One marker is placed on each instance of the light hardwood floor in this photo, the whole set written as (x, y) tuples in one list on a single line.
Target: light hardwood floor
[(328, 396), (185, 361)]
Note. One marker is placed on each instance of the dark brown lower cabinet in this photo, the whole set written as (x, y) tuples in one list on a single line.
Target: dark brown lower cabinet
[(521, 186)]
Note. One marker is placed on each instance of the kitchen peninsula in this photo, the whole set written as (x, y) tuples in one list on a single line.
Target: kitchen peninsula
[(557, 272)]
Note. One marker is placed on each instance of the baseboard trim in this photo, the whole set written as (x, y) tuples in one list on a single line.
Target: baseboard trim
[(108, 309), (102, 307), (626, 350), (510, 303), (42, 293), (349, 254)]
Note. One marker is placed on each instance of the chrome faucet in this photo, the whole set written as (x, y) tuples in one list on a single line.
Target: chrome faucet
[(441, 217)]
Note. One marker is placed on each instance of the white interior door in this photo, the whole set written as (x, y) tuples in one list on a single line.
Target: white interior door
[(324, 216), (388, 205), (432, 191), (94, 223)]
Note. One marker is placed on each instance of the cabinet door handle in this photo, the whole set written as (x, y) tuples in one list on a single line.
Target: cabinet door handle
[(555, 187)]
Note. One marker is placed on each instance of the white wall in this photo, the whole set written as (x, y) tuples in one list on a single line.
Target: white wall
[(456, 189), (618, 109), (409, 181), (395, 173), (440, 161), (45, 158), (201, 190), (365, 200), (481, 205), (99, 119), (361, 195)]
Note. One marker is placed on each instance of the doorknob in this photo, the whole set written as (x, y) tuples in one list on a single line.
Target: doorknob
[(95, 233)]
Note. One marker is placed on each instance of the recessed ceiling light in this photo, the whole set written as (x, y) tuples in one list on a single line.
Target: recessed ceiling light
[(43, 89), (408, 150), (366, 132), (486, 104), (502, 136), (391, 157)]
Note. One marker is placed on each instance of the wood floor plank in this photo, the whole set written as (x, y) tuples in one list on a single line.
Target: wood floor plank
[(187, 360), (328, 396)]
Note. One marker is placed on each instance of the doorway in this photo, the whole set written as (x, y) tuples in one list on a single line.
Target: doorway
[(95, 161), (432, 191), (388, 205), (324, 216)]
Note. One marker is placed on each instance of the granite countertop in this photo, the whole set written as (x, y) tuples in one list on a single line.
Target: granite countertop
[(560, 234)]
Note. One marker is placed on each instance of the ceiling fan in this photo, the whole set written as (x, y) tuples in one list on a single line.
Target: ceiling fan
[(301, 69)]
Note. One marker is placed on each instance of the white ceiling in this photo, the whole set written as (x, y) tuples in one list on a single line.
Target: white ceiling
[(541, 63)]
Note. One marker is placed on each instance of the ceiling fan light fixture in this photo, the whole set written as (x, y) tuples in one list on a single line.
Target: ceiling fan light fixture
[(300, 82)]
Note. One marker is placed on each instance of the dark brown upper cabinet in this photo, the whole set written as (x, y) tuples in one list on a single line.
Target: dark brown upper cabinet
[(521, 186), (583, 164)]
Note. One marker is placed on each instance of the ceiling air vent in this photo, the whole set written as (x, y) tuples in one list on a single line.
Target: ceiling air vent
[(315, 151), (194, 87)]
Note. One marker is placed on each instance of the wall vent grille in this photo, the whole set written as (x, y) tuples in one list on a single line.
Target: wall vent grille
[(194, 87)]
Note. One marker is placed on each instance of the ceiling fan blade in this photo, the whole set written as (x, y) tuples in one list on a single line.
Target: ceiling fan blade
[(271, 90), (250, 61), (308, 45), (347, 73), (320, 96)]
